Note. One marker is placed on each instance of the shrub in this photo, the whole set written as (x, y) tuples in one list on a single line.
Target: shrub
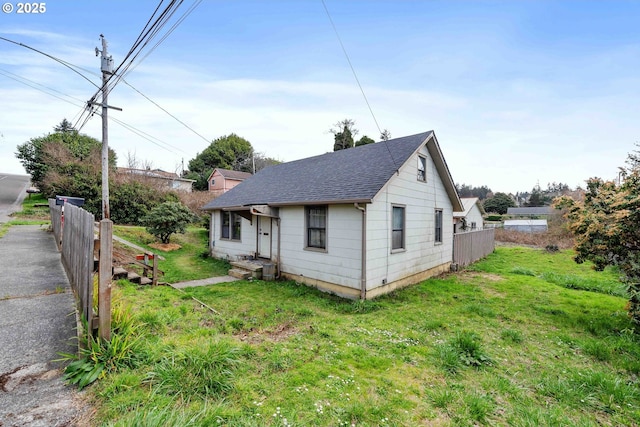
[(130, 201), (167, 219)]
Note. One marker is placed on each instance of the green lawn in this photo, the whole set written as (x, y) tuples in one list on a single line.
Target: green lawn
[(190, 262), (523, 338)]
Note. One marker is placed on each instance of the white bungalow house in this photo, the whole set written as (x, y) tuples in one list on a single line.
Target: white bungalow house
[(358, 222), (471, 218)]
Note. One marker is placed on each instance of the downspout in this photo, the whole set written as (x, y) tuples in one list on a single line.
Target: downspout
[(363, 266), (278, 255), (212, 232)]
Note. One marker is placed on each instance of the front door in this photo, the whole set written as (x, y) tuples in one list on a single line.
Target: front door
[(264, 237)]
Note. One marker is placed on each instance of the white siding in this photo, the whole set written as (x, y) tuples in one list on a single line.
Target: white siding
[(420, 200), (340, 263), (230, 249), (475, 215)]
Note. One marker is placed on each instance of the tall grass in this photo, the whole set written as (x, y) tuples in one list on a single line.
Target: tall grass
[(483, 347)]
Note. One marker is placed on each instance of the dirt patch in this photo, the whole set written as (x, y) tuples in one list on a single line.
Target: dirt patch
[(165, 247), (473, 275), (480, 278), (281, 333)]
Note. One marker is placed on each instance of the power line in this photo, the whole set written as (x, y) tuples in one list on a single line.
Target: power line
[(351, 65), (147, 136), (66, 64), (173, 27), (174, 117), (34, 85), (47, 90)]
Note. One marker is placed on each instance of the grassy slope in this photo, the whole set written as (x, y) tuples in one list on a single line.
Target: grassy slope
[(187, 263), (504, 343)]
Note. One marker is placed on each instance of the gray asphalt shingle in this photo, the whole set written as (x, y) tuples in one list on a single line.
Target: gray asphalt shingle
[(355, 174)]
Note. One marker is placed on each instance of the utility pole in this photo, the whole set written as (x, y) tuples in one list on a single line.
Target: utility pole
[(106, 66), (106, 226)]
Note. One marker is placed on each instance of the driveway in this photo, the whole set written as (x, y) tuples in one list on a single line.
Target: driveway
[(37, 321)]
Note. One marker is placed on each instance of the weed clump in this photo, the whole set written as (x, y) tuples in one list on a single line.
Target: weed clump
[(464, 349)]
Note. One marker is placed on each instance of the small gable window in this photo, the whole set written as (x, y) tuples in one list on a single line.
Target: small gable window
[(422, 169), (316, 219)]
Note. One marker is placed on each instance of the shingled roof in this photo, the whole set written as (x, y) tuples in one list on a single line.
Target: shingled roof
[(231, 174), (346, 176)]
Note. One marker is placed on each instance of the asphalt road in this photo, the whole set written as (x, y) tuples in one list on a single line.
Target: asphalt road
[(13, 189)]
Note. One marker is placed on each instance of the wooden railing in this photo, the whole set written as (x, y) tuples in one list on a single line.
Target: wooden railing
[(472, 246)]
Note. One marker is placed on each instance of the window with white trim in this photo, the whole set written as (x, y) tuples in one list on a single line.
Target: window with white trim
[(316, 222), (231, 225), (397, 228), (438, 228), (422, 168)]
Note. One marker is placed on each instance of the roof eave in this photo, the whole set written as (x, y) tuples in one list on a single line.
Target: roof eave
[(443, 170), (291, 203)]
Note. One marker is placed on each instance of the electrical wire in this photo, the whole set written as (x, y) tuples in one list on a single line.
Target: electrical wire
[(160, 143), (60, 61), (174, 117), (180, 20), (351, 66), (93, 110), (344, 50)]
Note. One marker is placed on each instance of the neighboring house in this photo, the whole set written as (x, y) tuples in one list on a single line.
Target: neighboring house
[(471, 218), (222, 180), (526, 225), (358, 222), (159, 178), (531, 212)]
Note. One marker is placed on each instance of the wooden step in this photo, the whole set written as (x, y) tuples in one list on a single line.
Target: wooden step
[(239, 273), (133, 277), (145, 281), (119, 273)]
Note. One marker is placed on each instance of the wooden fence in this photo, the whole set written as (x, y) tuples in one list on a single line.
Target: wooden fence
[(472, 246), (56, 221), (77, 255), (73, 228)]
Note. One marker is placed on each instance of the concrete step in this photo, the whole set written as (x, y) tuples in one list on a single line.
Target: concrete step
[(247, 265), (239, 273)]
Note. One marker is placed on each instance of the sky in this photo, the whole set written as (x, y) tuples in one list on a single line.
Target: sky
[(519, 93)]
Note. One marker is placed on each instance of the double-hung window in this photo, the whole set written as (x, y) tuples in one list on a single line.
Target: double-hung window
[(316, 219), (397, 228), (438, 229), (231, 225), (422, 169)]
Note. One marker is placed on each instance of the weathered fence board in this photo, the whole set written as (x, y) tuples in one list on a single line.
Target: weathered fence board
[(472, 246), (77, 256), (56, 221)]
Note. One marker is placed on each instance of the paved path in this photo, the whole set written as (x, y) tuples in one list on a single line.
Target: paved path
[(12, 191), (204, 282), (37, 321)]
